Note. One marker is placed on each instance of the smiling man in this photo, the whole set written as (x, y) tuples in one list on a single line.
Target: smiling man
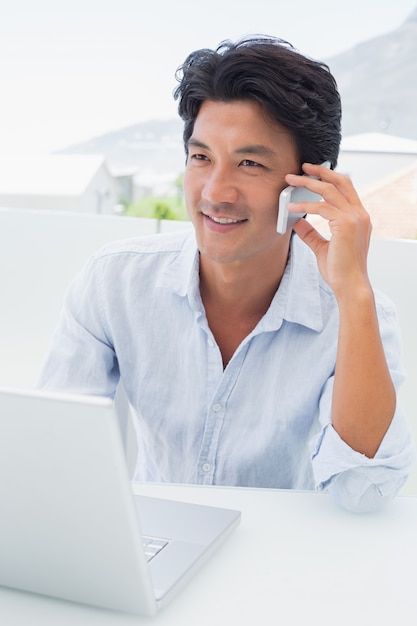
[(236, 166), (249, 357)]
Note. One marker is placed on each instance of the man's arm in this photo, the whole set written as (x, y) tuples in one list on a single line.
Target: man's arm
[(364, 397)]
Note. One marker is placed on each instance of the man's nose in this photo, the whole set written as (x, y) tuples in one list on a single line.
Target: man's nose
[(220, 187)]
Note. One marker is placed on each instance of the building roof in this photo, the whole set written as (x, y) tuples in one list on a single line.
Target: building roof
[(378, 142), (47, 174), (391, 203)]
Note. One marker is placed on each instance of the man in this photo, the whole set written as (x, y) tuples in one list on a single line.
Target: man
[(249, 357)]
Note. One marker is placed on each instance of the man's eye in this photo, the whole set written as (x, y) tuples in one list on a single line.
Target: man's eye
[(250, 163), (198, 157)]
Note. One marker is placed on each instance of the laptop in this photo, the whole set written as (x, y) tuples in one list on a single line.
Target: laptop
[(70, 526)]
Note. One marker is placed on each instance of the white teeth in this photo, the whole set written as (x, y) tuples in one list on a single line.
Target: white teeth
[(223, 220)]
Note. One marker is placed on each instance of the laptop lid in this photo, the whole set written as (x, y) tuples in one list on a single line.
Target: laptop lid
[(69, 524)]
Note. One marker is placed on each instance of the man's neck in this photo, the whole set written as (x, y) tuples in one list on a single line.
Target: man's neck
[(237, 295), (247, 286)]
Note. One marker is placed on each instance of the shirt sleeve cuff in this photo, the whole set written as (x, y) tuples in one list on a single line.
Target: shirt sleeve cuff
[(355, 481)]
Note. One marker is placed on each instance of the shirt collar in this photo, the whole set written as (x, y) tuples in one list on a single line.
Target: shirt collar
[(182, 275), (297, 299)]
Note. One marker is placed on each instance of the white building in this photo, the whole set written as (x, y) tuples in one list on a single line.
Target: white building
[(370, 157), (78, 183)]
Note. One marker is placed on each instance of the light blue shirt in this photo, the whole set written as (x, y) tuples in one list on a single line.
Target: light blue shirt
[(135, 312)]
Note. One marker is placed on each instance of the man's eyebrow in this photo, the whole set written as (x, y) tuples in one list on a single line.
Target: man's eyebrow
[(196, 143), (255, 149), (258, 149)]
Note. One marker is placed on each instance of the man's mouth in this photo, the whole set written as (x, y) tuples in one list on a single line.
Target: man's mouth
[(224, 220)]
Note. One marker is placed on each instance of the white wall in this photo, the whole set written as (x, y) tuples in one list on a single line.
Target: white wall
[(40, 202)]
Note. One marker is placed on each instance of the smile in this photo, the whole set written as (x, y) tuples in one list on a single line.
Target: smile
[(224, 220)]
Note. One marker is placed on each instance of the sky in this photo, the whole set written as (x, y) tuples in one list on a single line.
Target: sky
[(74, 69)]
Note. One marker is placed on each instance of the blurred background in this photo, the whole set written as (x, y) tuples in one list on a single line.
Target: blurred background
[(88, 122)]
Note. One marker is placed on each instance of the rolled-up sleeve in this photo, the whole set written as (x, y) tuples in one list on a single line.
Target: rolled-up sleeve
[(355, 481)]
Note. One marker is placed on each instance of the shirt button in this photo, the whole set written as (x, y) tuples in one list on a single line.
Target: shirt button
[(206, 467), (217, 407), (211, 343)]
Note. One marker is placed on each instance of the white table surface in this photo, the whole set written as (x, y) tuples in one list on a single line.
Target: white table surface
[(295, 559)]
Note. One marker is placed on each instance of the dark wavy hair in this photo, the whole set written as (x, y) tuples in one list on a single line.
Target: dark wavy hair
[(298, 92)]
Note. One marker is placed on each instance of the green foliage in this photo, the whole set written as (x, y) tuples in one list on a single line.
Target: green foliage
[(167, 208), (162, 211)]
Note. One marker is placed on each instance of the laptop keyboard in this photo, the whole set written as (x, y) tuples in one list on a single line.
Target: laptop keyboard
[(153, 545)]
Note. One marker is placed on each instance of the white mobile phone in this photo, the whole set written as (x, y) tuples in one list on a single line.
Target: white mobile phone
[(287, 220)]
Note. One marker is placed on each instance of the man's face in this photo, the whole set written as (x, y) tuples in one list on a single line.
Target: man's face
[(237, 159)]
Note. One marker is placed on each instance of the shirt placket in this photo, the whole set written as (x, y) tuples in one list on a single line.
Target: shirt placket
[(218, 394)]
